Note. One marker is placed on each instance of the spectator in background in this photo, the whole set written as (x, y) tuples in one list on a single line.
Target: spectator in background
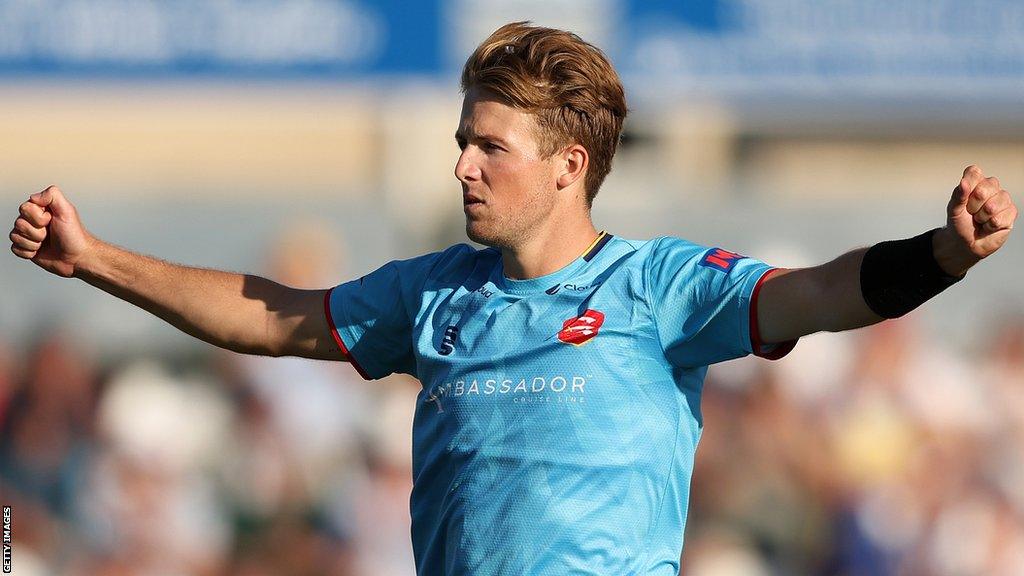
[(303, 433), (46, 437), (320, 410), (46, 441), (7, 381)]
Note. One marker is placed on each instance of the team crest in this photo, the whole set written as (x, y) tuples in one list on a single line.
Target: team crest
[(581, 329), (448, 343)]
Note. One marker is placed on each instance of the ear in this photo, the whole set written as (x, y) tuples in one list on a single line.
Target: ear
[(572, 165)]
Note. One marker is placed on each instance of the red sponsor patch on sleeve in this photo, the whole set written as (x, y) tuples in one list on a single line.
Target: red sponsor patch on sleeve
[(719, 259)]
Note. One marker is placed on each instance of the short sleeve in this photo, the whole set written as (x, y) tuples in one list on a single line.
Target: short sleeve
[(371, 318), (704, 301)]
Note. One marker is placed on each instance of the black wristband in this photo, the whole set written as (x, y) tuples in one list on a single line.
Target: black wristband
[(900, 275)]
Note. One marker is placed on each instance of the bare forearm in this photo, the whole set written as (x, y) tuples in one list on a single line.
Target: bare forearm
[(863, 287), (225, 309), (807, 300), (841, 305)]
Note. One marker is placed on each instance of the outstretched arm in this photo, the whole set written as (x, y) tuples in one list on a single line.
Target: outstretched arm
[(793, 303), (243, 313)]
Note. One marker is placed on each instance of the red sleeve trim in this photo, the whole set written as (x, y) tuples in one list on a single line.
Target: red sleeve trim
[(337, 337), (773, 351)]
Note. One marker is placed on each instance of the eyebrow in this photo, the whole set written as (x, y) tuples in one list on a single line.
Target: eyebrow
[(459, 135)]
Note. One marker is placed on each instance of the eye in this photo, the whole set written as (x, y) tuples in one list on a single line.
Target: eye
[(491, 146)]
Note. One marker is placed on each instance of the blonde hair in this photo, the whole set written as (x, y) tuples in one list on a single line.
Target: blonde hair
[(566, 82)]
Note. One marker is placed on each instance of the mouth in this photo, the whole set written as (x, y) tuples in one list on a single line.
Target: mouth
[(469, 200)]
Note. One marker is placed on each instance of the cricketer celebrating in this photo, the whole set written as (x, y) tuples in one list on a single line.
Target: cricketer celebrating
[(561, 366)]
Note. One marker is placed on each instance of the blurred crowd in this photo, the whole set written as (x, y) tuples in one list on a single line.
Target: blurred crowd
[(874, 452), (235, 465), (877, 452)]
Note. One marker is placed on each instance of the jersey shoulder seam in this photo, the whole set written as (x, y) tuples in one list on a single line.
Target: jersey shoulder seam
[(655, 243), (631, 243)]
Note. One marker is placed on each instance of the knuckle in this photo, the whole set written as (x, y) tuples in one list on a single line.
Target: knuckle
[(32, 233), (1005, 218), (973, 169), (993, 181)]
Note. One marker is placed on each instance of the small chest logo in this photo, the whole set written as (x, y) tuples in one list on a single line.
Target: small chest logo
[(721, 260), (581, 329), (578, 288), (448, 344)]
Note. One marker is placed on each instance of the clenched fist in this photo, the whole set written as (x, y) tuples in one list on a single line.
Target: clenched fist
[(49, 233), (979, 218)]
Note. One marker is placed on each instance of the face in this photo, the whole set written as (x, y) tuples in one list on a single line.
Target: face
[(508, 189)]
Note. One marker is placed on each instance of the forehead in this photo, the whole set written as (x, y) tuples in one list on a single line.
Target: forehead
[(484, 114)]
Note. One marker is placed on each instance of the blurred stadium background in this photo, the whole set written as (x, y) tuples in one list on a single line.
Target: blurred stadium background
[(311, 141)]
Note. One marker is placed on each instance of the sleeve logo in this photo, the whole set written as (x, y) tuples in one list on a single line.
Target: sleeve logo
[(721, 260)]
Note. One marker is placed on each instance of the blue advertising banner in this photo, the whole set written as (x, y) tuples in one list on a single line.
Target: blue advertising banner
[(719, 45), (870, 44), (223, 37)]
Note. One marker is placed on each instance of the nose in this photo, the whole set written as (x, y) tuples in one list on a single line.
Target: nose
[(466, 169)]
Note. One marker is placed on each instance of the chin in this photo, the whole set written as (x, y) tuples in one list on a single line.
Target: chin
[(476, 234), (480, 234)]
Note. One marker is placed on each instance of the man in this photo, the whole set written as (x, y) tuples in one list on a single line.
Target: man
[(561, 367)]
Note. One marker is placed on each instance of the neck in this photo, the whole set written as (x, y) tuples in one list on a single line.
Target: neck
[(549, 251)]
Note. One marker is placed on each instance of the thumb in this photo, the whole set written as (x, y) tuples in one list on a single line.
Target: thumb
[(962, 193), (958, 200), (52, 199)]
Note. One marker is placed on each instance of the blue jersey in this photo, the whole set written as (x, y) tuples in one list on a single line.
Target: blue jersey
[(556, 427)]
